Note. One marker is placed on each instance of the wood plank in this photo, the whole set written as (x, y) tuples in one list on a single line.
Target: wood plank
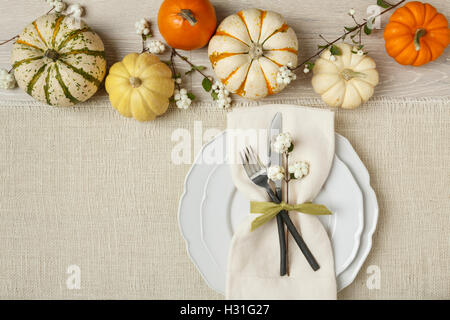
[(114, 21)]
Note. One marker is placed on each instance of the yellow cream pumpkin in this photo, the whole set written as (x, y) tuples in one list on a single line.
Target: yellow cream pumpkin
[(140, 86), (346, 81)]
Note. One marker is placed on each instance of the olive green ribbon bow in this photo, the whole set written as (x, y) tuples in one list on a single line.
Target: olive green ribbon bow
[(269, 210)]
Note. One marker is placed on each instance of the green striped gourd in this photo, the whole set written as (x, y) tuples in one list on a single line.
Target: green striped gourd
[(59, 60)]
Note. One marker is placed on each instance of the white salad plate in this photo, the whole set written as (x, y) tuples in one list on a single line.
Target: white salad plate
[(210, 257)]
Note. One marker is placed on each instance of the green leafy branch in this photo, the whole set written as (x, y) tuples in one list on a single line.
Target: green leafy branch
[(354, 32), (206, 82)]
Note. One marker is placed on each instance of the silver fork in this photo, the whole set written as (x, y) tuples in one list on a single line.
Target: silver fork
[(257, 172)]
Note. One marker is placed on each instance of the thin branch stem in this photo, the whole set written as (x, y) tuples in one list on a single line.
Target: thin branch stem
[(286, 166), (324, 39), (359, 28), (17, 36), (174, 71), (175, 52), (13, 38), (356, 22), (143, 45)]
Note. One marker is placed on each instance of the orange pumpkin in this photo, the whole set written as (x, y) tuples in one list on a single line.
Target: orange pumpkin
[(187, 24), (416, 34)]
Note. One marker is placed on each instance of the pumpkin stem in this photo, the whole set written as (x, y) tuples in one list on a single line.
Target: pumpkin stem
[(51, 54), (349, 74), (419, 34), (135, 82), (188, 15), (255, 51)]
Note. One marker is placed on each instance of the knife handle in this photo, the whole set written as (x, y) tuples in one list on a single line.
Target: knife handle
[(293, 231), (283, 251), (300, 242), (281, 236)]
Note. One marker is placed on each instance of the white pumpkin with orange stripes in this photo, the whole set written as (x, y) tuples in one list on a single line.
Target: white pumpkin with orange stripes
[(248, 49), (59, 60)]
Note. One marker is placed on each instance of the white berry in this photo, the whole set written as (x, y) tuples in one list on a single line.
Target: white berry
[(275, 173)]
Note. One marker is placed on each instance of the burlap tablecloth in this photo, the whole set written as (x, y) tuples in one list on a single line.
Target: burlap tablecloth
[(83, 186)]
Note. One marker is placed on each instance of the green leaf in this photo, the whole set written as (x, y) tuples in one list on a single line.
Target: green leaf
[(191, 96), (335, 51), (206, 84), (367, 29), (292, 176), (350, 29), (383, 4), (214, 95), (309, 65), (323, 46), (291, 148), (195, 68)]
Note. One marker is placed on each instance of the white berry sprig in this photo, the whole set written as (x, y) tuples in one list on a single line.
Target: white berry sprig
[(182, 98), (275, 173), (154, 46), (221, 95), (75, 10), (7, 80), (299, 169), (142, 27), (283, 143), (285, 74), (58, 5)]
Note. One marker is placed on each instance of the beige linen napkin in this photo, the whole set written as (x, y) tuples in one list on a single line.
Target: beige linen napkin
[(254, 257)]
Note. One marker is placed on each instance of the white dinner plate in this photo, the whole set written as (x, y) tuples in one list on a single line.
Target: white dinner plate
[(223, 208), (190, 215)]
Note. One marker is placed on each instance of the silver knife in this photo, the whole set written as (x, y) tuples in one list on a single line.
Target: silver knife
[(275, 159)]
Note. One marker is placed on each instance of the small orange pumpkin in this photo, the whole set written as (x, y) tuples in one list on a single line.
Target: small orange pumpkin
[(187, 24), (416, 34)]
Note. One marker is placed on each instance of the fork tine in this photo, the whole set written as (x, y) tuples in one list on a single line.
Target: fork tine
[(256, 157), (251, 160), (245, 164)]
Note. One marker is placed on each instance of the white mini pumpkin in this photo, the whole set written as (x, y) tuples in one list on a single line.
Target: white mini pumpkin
[(346, 82), (248, 49), (59, 60)]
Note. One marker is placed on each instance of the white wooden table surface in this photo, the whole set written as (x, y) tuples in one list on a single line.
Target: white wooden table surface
[(114, 21)]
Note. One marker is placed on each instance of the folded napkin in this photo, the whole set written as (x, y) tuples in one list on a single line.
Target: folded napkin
[(253, 270)]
